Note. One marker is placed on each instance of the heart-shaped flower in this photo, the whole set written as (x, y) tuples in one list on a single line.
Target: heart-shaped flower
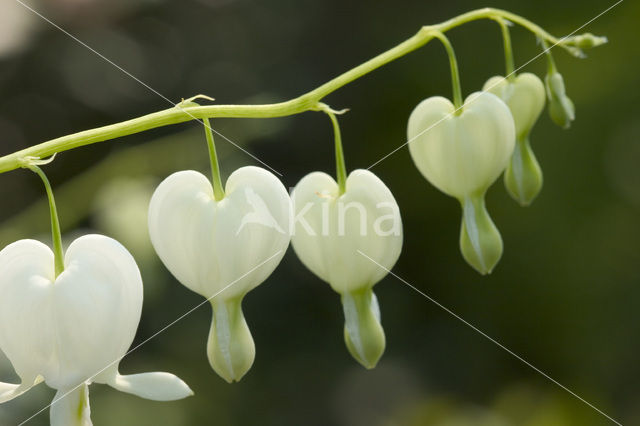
[(222, 249), (74, 329), (350, 240), (525, 96), (462, 153)]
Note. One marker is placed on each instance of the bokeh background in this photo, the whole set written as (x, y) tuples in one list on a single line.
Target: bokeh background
[(565, 296)]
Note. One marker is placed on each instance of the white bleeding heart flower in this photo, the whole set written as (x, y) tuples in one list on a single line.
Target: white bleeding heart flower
[(524, 94), (221, 249), (462, 153), (348, 240), (73, 329)]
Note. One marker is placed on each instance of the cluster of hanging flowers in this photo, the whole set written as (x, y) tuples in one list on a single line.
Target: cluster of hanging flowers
[(69, 318)]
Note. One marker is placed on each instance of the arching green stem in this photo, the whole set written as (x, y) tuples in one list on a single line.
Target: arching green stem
[(510, 72), (306, 102), (455, 73), (341, 168), (55, 223), (218, 188)]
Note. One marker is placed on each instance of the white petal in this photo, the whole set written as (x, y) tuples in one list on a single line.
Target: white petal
[(208, 244), (71, 407), (181, 210), (313, 235), (70, 329), (331, 230), (257, 232), (99, 302), (26, 325), (157, 386), (8, 391)]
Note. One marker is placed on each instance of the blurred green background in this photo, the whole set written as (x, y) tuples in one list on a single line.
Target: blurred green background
[(565, 295)]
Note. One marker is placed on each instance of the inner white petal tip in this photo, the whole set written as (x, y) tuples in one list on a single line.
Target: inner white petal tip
[(157, 386)]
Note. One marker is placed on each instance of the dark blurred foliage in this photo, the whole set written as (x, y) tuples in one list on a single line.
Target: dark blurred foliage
[(565, 295)]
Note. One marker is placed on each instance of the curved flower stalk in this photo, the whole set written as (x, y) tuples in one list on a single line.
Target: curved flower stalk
[(221, 247), (349, 233), (462, 151), (73, 329), (524, 94)]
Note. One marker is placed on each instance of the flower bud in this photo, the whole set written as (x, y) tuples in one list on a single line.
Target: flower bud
[(350, 240), (462, 155), (523, 177), (525, 97), (561, 109), (584, 41)]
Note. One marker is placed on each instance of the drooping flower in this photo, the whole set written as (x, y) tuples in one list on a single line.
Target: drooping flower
[(73, 329), (350, 240), (462, 153), (524, 94), (221, 249)]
